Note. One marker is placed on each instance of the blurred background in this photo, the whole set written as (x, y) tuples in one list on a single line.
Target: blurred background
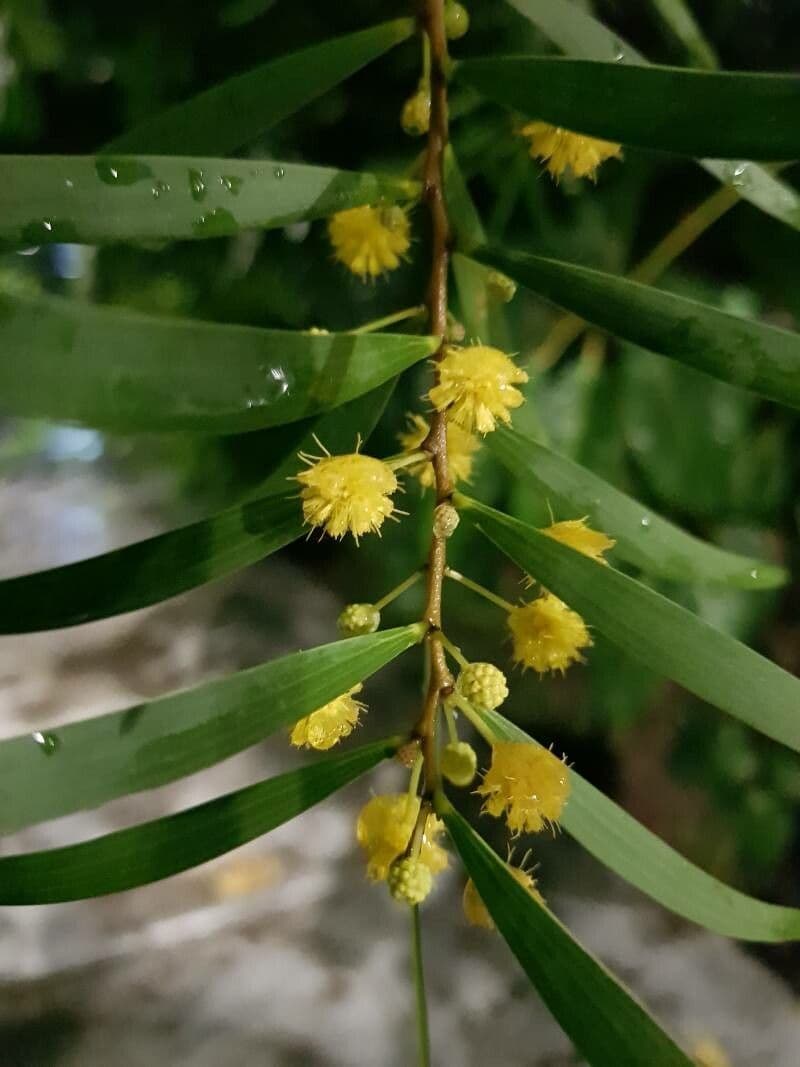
[(281, 953)]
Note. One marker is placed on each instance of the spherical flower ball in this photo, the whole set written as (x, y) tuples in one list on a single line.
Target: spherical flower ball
[(527, 783), (483, 685), (560, 149), (461, 447), (459, 763), (476, 386), (415, 118), (476, 912), (384, 828), (547, 635), (347, 494), (370, 240), (577, 535), (326, 726), (409, 880), (357, 619)]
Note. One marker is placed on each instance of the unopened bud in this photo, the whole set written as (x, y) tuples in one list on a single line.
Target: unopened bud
[(445, 521), (415, 118), (483, 685), (456, 20), (357, 619), (459, 763), (407, 753), (409, 880), (501, 287)]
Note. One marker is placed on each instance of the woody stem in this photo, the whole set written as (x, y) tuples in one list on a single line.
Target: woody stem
[(435, 444)]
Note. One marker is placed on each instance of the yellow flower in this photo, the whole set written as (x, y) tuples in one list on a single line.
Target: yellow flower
[(476, 911), (483, 685), (576, 534), (384, 830), (326, 726), (708, 1052), (547, 635), (476, 386), (369, 240), (527, 783), (559, 148), (461, 446), (347, 493)]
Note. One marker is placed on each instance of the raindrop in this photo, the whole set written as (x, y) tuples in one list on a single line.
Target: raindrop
[(121, 171), (218, 222), (278, 172), (232, 183), (754, 575), (159, 187), (197, 184), (70, 184), (48, 225), (645, 523), (619, 52), (48, 743), (276, 384), (739, 176)]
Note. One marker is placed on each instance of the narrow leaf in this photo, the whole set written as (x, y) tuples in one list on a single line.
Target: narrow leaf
[(155, 850), (575, 32), (653, 630), (93, 200), (149, 571), (222, 119), (761, 358), (88, 763), (678, 18), (643, 538), (607, 1025), (127, 372), (668, 109), (645, 861)]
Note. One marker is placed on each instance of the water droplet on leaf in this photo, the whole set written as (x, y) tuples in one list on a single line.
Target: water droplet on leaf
[(48, 743), (159, 188), (278, 173), (197, 184), (232, 183)]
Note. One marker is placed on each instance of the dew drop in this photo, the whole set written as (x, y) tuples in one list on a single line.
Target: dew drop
[(197, 184), (619, 52), (645, 523), (276, 383), (48, 743), (218, 222), (159, 188), (278, 173), (231, 182), (754, 575), (69, 183), (739, 175), (121, 171)]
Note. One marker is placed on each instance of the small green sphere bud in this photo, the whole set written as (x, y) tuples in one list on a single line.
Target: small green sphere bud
[(483, 685), (358, 619), (409, 880), (459, 763), (445, 521), (501, 287), (456, 20), (415, 118)]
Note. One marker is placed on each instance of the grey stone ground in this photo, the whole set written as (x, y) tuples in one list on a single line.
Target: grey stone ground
[(281, 953)]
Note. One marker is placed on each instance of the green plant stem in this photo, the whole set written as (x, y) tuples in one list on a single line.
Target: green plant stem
[(423, 1033), (406, 459), (450, 719), (398, 590), (389, 320), (481, 590), (454, 651)]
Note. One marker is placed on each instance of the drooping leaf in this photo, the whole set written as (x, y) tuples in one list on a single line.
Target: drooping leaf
[(229, 115), (155, 850), (643, 538), (752, 355), (87, 763), (149, 571), (653, 630), (637, 855), (607, 1025), (669, 109), (678, 18), (93, 200), (578, 34), (127, 372)]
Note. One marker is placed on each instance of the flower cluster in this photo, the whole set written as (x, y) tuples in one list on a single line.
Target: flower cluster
[(461, 447), (384, 829), (561, 149), (475, 910), (476, 387), (547, 635), (527, 784), (326, 726), (351, 493), (370, 240)]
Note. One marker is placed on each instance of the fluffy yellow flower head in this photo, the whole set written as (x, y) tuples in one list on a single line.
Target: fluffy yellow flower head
[(369, 240), (475, 910), (547, 635), (347, 493), (527, 783), (326, 726), (461, 446), (476, 386), (558, 149), (576, 534), (384, 830)]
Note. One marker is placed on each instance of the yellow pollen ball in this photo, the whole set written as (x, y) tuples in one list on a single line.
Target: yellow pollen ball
[(526, 783), (369, 240), (384, 828), (560, 149), (547, 635), (347, 494), (476, 912), (326, 726), (461, 447), (576, 534), (476, 386)]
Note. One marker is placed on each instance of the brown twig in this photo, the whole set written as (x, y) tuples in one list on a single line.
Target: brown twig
[(435, 444)]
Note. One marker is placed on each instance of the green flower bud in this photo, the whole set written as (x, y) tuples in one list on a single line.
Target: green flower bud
[(501, 287), (409, 880), (483, 685), (456, 20), (358, 619), (415, 118), (459, 763)]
